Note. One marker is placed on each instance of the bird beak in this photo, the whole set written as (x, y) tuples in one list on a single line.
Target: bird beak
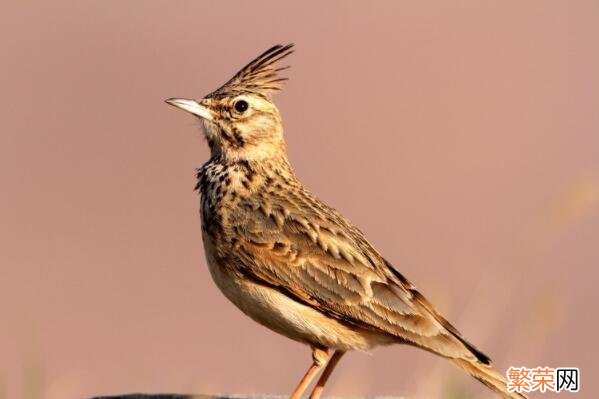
[(191, 106)]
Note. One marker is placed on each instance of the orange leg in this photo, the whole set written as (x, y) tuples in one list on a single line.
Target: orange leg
[(319, 359), (317, 391)]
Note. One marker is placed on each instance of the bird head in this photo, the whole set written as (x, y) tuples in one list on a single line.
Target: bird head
[(240, 120)]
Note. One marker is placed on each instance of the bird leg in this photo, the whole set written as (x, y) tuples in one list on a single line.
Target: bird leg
[(319, 359), (317, 391)]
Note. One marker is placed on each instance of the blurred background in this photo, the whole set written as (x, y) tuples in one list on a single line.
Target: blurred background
[(462, 137)]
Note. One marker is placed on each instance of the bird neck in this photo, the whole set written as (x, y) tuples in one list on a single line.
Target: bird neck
[(278, 167), (273, 150)]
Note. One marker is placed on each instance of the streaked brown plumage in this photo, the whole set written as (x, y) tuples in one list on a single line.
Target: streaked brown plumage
[(288, 260)]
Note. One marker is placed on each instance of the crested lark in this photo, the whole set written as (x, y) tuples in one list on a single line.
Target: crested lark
[(293, 263)]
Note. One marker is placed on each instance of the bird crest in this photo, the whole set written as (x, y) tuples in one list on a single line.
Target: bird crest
[(260, 76)]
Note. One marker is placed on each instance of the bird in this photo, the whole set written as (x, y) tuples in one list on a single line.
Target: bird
[(291, 262)]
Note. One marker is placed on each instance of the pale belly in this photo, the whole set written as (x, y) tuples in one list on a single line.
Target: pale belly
[(288, 317)]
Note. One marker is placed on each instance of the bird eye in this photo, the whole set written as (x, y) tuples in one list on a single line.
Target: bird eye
[(241, 106)]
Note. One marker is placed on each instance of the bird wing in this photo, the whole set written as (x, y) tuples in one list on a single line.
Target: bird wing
[(310, 252)]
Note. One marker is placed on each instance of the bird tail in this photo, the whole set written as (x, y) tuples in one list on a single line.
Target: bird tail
[(488, 376)]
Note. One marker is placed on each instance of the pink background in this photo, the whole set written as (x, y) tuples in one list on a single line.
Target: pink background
[(462, 137)]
